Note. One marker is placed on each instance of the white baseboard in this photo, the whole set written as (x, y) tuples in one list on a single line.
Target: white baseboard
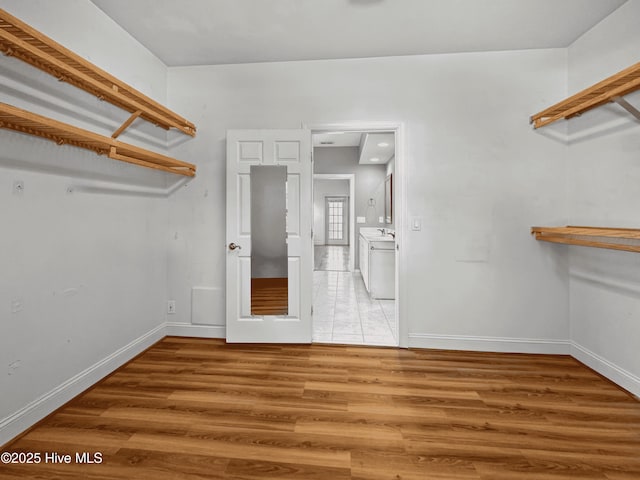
[(610, 370), (29, 415), (489, 344), (174, 329)]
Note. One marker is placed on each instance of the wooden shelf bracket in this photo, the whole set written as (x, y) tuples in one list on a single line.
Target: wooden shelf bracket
[(626, 239), (126, 123), (19, 40), (13, 118), (612, 89)]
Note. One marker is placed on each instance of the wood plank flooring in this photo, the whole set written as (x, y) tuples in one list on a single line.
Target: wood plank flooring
[(201, 409)]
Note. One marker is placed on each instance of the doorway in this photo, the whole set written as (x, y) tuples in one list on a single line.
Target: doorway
[(347, 308), (350, 298), (334, 254)]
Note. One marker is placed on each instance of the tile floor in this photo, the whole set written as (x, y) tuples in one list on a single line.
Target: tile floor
[(344, 313), (331, 257)]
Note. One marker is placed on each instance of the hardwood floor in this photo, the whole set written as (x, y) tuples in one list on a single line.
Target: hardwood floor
[(201, 409)]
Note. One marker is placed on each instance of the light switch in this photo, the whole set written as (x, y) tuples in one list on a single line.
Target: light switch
[(416, 224), (361, 220)]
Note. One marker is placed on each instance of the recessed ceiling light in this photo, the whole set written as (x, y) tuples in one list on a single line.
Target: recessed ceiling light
[(383, 144), (374, 159), (335, 133)]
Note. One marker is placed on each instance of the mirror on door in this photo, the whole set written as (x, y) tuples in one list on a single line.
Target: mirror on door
[(269, 258)]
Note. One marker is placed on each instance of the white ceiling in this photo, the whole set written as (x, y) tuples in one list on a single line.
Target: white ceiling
[(371, 145), (337, 139), (380, 146), (208, 32)]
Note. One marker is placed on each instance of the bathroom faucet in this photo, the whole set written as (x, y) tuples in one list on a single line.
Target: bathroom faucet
[(381, 230)]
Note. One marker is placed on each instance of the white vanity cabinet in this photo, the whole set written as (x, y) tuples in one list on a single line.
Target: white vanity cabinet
[(378, 265), (364, 260)]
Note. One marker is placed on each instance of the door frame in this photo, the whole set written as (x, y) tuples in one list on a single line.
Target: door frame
[(400, 220), (350, 177)]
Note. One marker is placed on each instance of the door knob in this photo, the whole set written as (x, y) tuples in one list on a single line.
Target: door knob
[(233, 246)]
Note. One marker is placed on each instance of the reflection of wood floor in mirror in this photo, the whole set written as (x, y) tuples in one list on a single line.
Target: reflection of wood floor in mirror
[(269, 296)]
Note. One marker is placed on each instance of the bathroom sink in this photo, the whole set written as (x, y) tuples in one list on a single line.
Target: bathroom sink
[(378, 237)]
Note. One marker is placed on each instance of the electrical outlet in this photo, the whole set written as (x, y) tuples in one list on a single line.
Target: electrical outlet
[(171, 307)]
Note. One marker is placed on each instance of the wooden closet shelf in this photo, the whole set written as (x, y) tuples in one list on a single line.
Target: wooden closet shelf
[(20, 40), (570, 235), (611, 89), (14, 118)]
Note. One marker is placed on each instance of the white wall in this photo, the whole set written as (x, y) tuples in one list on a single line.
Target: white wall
[(603, 180), (476, 174), (83, 28), (84, 247), (322, 189)]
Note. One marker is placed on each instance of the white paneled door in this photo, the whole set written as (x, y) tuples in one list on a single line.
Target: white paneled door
[(283, 148)]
